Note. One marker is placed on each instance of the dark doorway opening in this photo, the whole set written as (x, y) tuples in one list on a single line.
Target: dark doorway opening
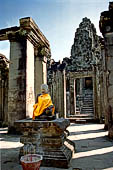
[(88, 83)]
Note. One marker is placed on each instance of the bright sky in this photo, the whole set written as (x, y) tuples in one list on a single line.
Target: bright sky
[(57, 19)]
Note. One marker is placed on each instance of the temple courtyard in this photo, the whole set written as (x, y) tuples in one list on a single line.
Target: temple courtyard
[(94, 150)]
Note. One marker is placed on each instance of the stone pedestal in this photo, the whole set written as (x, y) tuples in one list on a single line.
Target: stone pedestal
[(49, 139)]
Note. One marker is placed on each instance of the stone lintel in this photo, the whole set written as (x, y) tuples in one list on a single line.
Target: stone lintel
[(29, 30), (81, 74), (29, 24), (5, 32)]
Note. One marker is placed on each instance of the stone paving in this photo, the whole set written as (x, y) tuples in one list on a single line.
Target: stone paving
[(94, 150)]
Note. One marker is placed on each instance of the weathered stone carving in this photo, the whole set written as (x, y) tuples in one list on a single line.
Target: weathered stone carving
[(49, 139), (85, 62), (85, 49)]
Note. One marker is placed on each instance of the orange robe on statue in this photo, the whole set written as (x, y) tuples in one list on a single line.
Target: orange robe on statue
[(44, 101)]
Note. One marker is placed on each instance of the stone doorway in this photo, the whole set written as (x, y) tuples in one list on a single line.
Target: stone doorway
[(88, 83), (84, 96)]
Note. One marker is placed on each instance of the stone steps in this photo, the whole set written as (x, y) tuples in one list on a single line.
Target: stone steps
[(87, 104), (81, 118)]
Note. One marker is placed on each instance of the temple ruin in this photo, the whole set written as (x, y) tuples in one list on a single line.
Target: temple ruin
[(79, 75), (80, 85), (29, 50)]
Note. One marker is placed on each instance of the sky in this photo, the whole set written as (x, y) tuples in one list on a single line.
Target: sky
[(57, 20)]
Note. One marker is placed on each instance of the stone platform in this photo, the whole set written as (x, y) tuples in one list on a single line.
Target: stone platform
[(47, 138)]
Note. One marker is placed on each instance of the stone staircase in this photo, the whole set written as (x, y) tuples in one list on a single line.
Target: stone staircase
[(81, 118), (84, 108), (87, 107)]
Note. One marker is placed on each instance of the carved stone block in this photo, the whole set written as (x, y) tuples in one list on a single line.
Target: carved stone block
[(47, 138)]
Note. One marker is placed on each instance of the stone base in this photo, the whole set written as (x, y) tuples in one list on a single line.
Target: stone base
[(57, 157), (49, 139)]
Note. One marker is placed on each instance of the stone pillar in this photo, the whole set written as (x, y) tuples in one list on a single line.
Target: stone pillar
[(81, 86), (40, 72), (67, 104), (1, 96), (106, 28), (4, 70), (62, 94), (6, 102), (29, 79), (21, 81), (105, 101), (95, 102), (109, 62), (56, 92), (59, 92), (72, 97), (17, 82)]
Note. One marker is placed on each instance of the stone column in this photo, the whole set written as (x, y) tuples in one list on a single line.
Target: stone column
[(3, 97), (6, 102), (1, 101), (106, 28), (57, 91), (17, 82), (109, 62), (29, 79), (40, 72), (72, 97), (62, 94), (81, 86), (21, 81), (105, 102), (54, 91), (67, 104), (95, 102)]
